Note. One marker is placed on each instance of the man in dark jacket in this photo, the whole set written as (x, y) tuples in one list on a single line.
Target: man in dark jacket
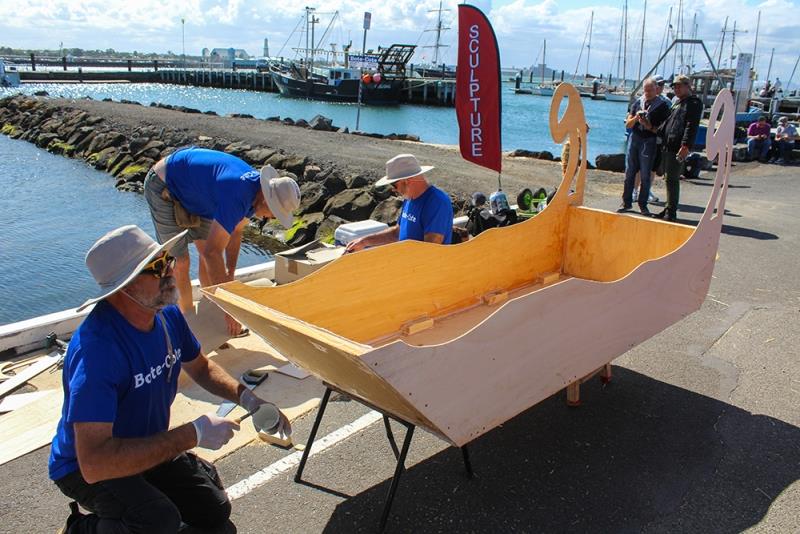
[(678, 133)]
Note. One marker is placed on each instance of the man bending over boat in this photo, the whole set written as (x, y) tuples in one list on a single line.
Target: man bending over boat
[(212, 194), (427, 212), (113, 451)]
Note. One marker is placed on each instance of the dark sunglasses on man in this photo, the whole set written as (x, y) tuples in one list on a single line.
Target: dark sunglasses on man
[(160, 266)]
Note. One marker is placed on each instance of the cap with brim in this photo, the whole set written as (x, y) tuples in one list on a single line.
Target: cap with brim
[(681, 79), (119, 256), (402, 167)]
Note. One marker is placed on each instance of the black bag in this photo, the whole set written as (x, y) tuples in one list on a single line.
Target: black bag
[(480, 218)]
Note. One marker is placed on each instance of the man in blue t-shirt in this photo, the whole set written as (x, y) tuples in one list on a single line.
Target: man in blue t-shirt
[(113, 452), (427, 212), (213, 194)]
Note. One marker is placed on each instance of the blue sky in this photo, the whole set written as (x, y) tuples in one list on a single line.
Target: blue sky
[(521, 27)]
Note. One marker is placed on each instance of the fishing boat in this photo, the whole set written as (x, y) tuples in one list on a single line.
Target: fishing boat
[(446, 345), (341, 83)]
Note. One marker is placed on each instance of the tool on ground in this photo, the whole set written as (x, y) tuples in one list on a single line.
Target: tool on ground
[(227, 407)]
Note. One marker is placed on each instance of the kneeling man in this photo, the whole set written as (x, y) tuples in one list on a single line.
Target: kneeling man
[(113, 451)]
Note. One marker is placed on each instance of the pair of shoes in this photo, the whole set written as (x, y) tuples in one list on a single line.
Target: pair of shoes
[(244, 333), (671, 217), (624, 207), (645, 211), (660, 215), (74, 515), (779, 161)]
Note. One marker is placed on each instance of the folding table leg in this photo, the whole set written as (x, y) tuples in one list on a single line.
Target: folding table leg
[(397, 472), (467, 463), (313, 435)]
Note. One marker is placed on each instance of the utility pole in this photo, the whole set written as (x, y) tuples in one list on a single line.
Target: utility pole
[(183, 42), (367, 24)]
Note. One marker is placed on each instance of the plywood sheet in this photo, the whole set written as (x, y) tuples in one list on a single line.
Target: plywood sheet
[(14, 402), (30, 427)]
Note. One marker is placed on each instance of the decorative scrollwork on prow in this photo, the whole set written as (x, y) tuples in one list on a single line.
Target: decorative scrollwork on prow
[(572, 128), (719, 144)]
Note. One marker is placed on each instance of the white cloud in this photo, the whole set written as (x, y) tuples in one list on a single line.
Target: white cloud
[(521, 26)]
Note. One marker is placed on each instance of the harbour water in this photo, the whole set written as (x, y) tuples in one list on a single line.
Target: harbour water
[(51, 211), (53, 208), (524, 121)]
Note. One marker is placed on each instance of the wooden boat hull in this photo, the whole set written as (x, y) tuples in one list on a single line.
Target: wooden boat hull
[(449, 340)]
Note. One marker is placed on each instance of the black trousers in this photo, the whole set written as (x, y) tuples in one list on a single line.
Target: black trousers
[(184, 489)]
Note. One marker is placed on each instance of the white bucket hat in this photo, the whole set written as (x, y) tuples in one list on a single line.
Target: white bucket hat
[(401, 167), (281, 193), (117, 258)]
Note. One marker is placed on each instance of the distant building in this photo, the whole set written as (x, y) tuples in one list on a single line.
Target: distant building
[(226, 56)]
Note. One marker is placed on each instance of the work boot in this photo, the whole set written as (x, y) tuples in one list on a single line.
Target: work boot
[(624, 207)]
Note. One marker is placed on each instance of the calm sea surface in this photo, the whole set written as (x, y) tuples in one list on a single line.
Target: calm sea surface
[(524, 116), (53, 208), (51, 211)]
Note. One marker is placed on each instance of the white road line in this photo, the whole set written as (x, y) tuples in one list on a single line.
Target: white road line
[(259, 478)]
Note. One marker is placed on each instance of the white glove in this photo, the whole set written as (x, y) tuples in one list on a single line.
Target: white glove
[(250, 401), (212, 431)]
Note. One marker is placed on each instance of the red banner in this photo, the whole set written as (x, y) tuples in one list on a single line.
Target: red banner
[(478, 89)]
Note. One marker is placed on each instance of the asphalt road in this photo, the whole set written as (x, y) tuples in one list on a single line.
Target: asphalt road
[(697, 432)]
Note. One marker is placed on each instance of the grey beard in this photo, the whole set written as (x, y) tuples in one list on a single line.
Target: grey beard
[(166, 296)]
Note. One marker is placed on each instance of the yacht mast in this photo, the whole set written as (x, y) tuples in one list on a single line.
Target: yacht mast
[(438, 29), (589, 46), (624, 43), (641, 47)]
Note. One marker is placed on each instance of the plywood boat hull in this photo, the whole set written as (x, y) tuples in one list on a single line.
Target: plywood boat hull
[(459, 339)]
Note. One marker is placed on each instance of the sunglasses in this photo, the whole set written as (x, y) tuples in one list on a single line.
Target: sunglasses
[(160, 266)]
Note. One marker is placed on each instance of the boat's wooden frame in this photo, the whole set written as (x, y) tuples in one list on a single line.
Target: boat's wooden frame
[(459, 339)]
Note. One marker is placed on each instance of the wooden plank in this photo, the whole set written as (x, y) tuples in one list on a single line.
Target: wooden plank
[(14, 402), (495, 297), (30, 427), (37, 368), (418, 325)]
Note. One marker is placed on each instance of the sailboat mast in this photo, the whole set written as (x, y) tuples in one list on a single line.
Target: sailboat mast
[(769, 69), (722, 43), (438, 35), (589, 46), (544, 59), (625, 44), (641, 46)]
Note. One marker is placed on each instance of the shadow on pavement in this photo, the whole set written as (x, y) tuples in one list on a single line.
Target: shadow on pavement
[(638, 455)]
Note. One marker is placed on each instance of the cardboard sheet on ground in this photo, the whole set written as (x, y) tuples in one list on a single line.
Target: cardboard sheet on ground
[(294, 397), (208, 325)]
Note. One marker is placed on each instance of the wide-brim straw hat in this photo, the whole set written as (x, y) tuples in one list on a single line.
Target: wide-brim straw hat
[(402, 167), (119, 256), (281, 193)]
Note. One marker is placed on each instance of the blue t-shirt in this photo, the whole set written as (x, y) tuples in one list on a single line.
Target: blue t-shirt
[(114, 373), (431, 212), (213, 185)]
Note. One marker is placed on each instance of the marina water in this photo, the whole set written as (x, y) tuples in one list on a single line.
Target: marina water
[(53, 208), (524, 121), (51, 211)]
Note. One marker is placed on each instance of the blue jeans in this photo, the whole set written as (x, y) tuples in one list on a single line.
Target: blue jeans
[(785, 149), (639, 158), (758, 148)]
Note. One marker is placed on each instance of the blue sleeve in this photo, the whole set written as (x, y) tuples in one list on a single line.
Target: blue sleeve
[(94, 384), (438, 217), (231, 204)]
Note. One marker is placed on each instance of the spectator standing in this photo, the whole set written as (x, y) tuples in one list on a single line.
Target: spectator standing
[(646, 115), (678, 133)]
